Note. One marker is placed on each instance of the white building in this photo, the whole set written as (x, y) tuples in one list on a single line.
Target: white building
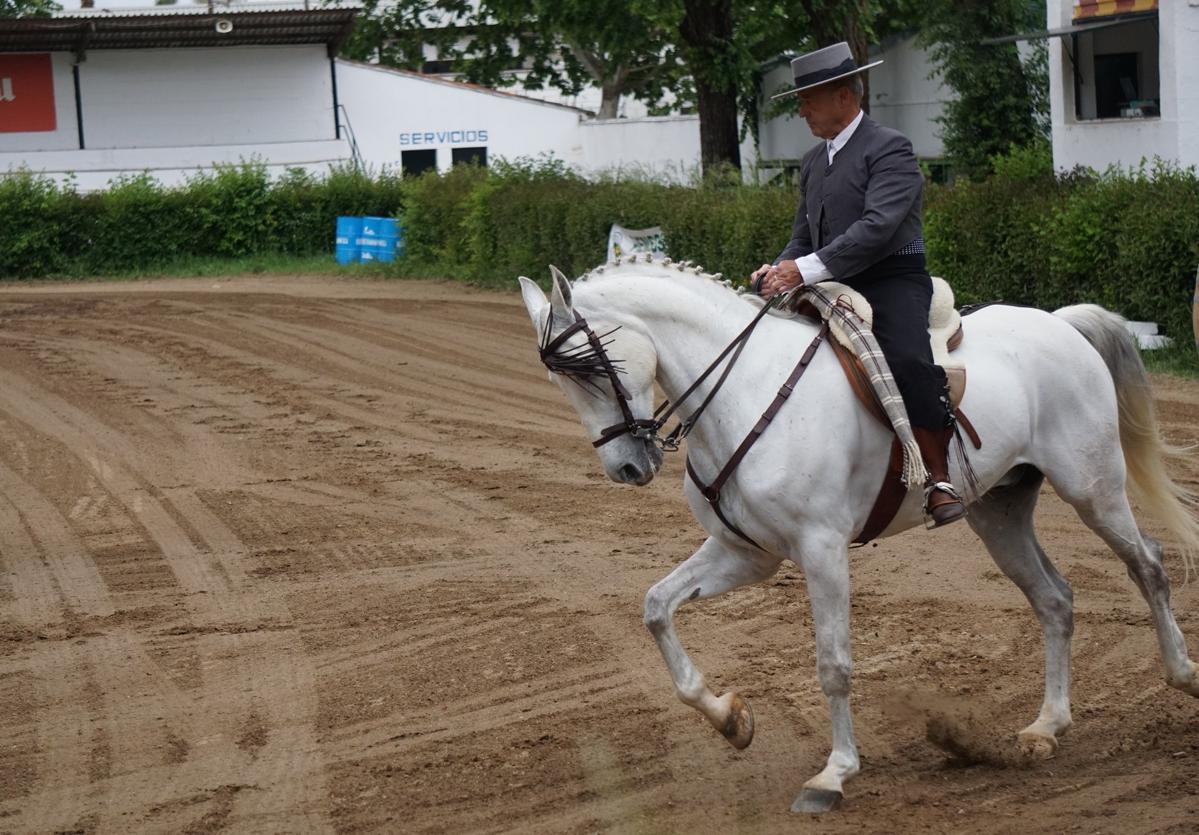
[(96, 94), (405, 120), (1124, 81), (102, 93), (106, 93)]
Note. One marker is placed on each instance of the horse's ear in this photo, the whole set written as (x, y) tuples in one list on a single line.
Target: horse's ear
[(560, 298), (535, 301)]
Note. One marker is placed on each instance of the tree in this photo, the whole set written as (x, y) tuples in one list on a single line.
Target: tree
[(705, 54), (622, 48), (394, 33), (998, 103), (28, 8)]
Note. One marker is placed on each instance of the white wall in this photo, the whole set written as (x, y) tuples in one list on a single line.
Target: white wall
[(663, 147), (172, 112), (784, 137), (1180, 52), (151, 98), (906, 96), (392, 111), (92, 170), (66, 132)]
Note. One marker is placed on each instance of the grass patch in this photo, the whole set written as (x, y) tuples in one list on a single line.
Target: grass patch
[(1180, 359)]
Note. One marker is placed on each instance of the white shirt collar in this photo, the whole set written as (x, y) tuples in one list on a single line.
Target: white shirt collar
[(838, 142)]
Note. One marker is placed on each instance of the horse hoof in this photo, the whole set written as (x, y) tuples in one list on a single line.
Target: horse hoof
[(738, 728), (1189, 684), (816, 801), (1037, 745)]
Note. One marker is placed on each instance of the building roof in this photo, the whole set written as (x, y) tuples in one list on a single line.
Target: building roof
[(463, 85), (177, 27)]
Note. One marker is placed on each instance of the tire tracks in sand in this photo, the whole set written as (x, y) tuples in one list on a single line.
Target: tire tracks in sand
[(255, 734)]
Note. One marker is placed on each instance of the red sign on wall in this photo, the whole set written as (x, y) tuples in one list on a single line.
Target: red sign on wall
[(26, 94)]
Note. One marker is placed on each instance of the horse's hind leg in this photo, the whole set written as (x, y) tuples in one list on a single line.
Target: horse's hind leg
[(1003, 519), (1103, 507), (712, 570)]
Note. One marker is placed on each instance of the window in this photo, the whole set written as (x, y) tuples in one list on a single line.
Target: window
[(1116, 71), (418, 162), (467, 156)]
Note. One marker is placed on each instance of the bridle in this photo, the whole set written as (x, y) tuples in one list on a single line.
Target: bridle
[(584, 362)]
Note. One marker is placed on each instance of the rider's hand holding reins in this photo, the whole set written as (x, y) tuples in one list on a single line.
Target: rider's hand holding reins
[(770, 280)]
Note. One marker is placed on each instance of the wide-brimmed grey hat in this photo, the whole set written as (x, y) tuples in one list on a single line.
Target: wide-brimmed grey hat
[(822, 66)]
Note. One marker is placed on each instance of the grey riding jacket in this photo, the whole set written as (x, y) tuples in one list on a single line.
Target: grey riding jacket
[(863, 207)]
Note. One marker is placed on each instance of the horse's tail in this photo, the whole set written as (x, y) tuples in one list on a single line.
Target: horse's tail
[(1145, 451)]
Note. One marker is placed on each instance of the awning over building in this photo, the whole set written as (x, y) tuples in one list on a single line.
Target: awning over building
[(1088, 9), (1076, 29), (82, 31)]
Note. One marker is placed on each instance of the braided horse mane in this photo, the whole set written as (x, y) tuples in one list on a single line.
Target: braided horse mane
[(668, 268)]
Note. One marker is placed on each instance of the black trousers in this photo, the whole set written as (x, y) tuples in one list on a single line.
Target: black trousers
[(900, 292)]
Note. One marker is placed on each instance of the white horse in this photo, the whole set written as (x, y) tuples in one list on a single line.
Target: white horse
[(1062, 396)]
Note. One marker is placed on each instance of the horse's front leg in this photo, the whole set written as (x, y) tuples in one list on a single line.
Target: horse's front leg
[(710, 571), (825, 564)]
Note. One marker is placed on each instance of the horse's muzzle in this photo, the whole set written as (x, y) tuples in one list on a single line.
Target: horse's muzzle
[(641, 472)]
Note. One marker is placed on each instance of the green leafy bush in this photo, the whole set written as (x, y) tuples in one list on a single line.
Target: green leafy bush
[(31, 234), (1124, 239), (137, 223)]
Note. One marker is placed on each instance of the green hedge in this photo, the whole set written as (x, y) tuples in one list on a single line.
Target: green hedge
[(489, 227), (1127, 240), (138, 224)]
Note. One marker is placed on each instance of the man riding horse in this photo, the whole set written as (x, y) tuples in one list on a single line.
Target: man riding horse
[(858, 222)]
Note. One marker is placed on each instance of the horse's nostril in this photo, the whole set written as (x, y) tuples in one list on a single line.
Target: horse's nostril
[(630, 473)]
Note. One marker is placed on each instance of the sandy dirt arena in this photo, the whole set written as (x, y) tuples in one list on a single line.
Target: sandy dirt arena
[(311, 555)]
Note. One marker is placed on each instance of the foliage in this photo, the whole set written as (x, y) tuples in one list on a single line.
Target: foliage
[(521, 217), (678, 55), (622, 48), (1024, 162), (28, 8), (394, 33), (30, 237), (436, 210), (1124, 239), (997, 97), (137, 224)]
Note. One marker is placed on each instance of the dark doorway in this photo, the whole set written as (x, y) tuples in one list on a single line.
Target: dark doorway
[(470, 156), (1117, 83), (418, 162)]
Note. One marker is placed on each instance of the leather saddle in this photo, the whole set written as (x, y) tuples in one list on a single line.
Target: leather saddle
[(945, 333)]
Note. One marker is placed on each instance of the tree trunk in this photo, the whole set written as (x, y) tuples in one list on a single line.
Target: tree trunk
[(717, 126), (707, 32), (611, 80), (609, 103), (856, 37)]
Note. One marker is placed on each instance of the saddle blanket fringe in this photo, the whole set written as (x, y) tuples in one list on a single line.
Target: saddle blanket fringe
[(864, 345)]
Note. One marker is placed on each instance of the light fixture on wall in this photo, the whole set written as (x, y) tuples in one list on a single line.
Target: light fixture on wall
[(224, 26)]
